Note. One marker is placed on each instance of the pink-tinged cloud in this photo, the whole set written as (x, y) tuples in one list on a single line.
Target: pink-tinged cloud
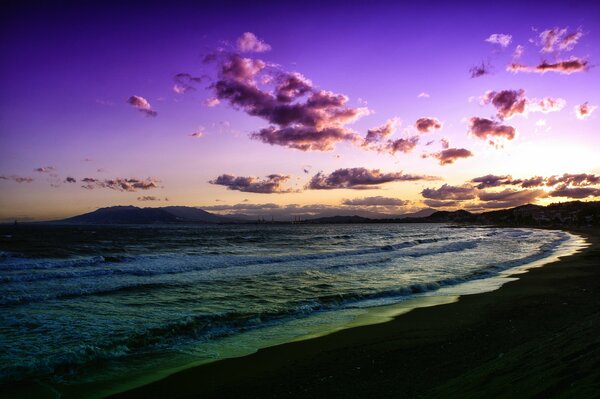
[(499, 38), (121, 184), (305, 138), (518, 53), (428, 124), (487, 129), (301, 117), (198, 134), (249, 43), (448, 192), (575, 192), (359, 179), (185, 82), (142, 105), (211, 102), (566, 67), (583, 111), (509, 198), (423, 95), (488, 181), (272, 184), (382, 132), (578, 179), (375, 201), (557, 39), (400, 145), (535, 181), (450, 155), (445, 144), (18, 179), (45, 169), (509, 103)]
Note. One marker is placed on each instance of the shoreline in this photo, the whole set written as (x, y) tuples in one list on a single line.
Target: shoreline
[(377, 357)]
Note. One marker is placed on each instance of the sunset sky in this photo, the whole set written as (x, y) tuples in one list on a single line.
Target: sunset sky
[(296, 107)]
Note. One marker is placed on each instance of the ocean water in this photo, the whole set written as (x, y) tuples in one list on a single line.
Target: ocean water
[(105, 307)]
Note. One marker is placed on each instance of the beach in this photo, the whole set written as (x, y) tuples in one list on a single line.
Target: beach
[(538, 337)]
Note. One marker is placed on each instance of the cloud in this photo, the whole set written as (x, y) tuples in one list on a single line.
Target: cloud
[(148, 198), (575, 192), (198, 134), (518, 53), (400, 145), (70, 179), (509, 198), (18, 179), (557, 39), (270, 185), (142, 105), (447, 192), (359, 179), (423, 95), (185, 82), (449, 155), (492, 181), (532, 182), (513, 102), (249, 43), (301, 116), (584, 110), (380, 133), (375, 201), (488, 129), (477, 71), (566, 67), (580, 179), (211, 102), (121, 184), (428, 124), (445, 144), (440, 203), (499, 38), (45, 169)]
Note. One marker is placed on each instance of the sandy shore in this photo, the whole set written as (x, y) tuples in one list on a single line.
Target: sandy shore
[(538, 337)]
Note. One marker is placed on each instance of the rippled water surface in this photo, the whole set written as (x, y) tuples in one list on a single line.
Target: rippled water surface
[(84, 303)]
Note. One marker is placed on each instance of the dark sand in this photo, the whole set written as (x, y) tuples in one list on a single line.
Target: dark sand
[(538, 337)]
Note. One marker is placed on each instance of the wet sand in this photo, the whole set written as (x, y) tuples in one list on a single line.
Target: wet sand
[(537, 337)]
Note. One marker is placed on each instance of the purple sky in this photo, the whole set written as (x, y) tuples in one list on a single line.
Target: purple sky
[(332, 104)]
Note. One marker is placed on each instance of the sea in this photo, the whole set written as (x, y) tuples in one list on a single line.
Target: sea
[(86, 311)]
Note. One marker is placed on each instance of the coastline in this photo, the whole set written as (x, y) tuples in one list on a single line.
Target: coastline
[(534, 337)]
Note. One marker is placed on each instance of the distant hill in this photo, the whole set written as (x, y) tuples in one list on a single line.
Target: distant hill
[(134, 215)]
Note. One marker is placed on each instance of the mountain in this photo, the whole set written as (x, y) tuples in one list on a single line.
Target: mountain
[(134, 215), (419, 214)]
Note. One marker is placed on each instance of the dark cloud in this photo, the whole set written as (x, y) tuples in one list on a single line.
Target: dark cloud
[(271, 184), (378, 134), (45, 169), (566, 67), (449, 155), (359, 179), (493, 181), (532, 182), (509, 198), (375, 201), (507, 102), (489, 129), (185, 82), (482, 69), (575, 192), (440, 203), (400, 145), (249, 43), (301, 116), (18, 179), (149, 198), (428, 124), (584, 110), (142, 105), (447, 192), (121, 184), (70, 179), (580, 179)]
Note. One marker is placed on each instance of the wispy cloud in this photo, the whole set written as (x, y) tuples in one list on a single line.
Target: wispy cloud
[(249, 43), (503, 40), (121, 184), (448, 192), (583, 111), (566, 67), (142, 105), (18, 179), (375, 201)]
